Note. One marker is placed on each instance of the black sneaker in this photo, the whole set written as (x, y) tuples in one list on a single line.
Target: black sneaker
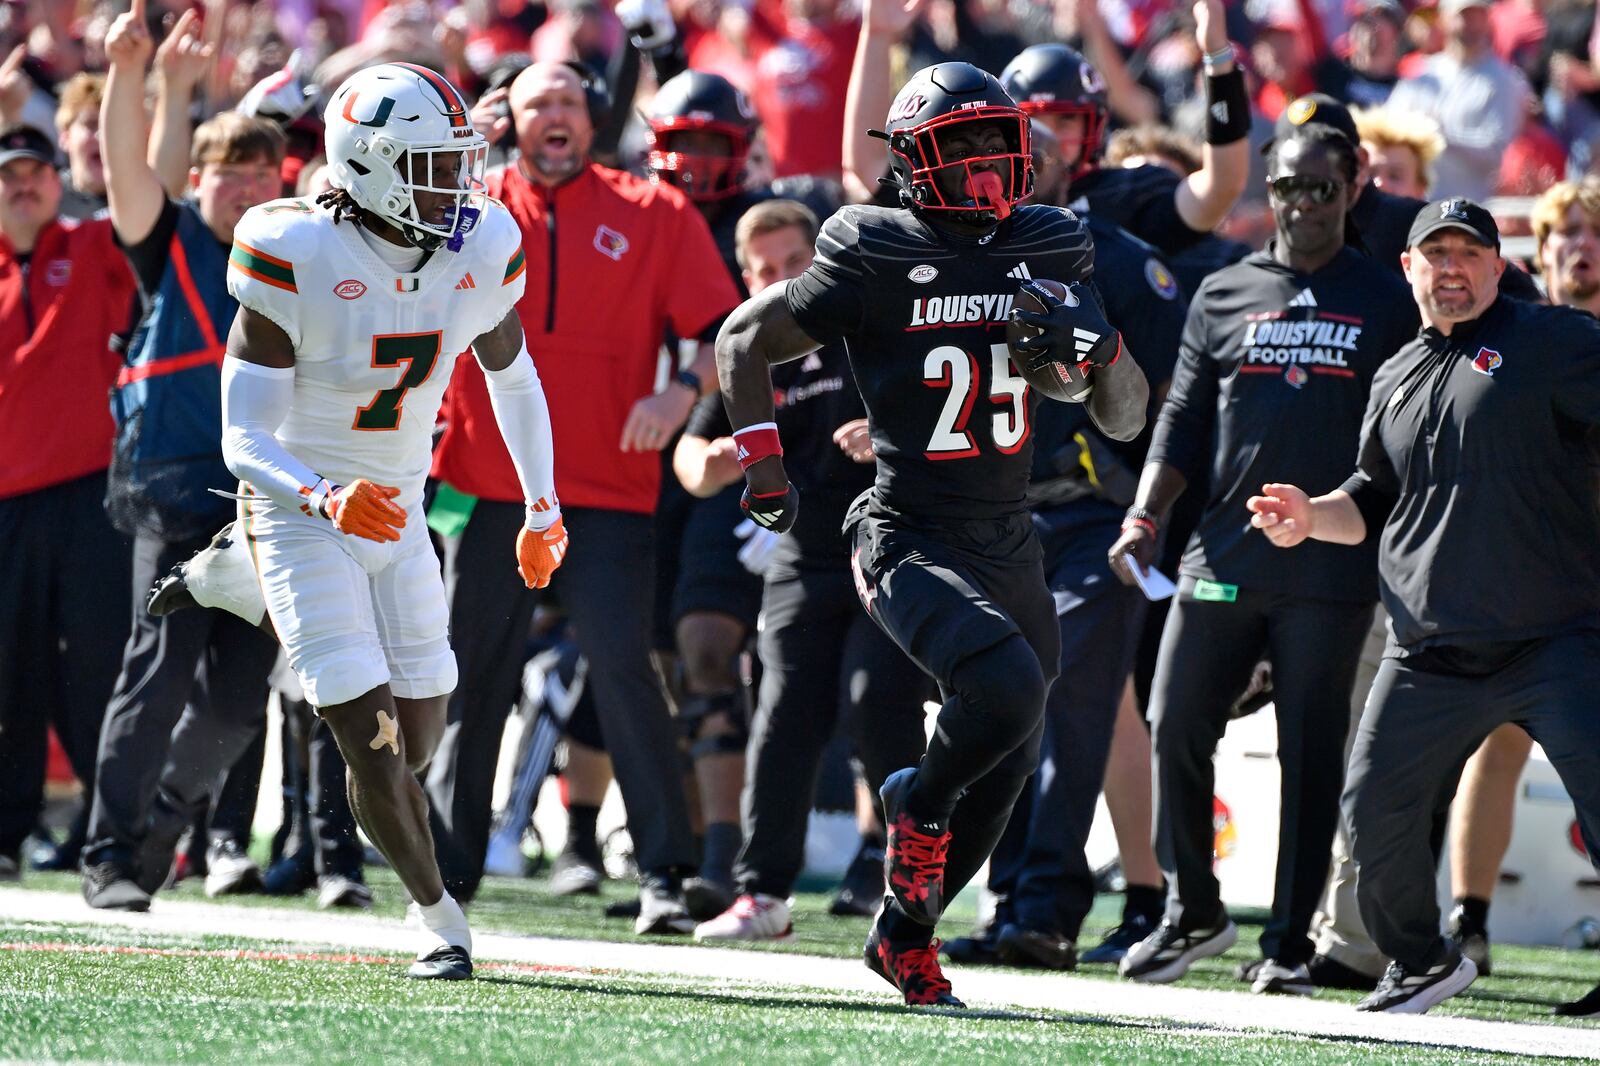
[(575, 875), (1474, 940), (975, 950), (1166, 954), (1587, 1006), (1271, 977), (448, 963), (662, 911), (1117, 942), (1403, 992), (1035, 949), (861, 888), (1328, 972), (914, 855), (109, 886), (913, 970), (229, 871), (706, 898)]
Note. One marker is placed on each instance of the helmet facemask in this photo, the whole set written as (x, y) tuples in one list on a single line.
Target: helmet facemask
[(703, 176), (1094, 125), (416, 169), (989, 196)]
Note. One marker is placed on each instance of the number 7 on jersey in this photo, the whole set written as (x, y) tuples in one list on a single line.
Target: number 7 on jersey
[(419, 352)]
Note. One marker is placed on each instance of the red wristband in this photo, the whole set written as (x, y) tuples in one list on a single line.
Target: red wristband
[(1143, 523), (756, 443)]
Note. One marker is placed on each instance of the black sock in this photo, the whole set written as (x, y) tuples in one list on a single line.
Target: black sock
[(1474, 914), (581, 819), (722, 843), (1144, 901), (901, 930)]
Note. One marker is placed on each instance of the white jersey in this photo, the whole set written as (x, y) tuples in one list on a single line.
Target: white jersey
[(374, 348)]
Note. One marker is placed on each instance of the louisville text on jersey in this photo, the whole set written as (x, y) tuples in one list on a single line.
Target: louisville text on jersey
[(930, 312), (1270, 341)]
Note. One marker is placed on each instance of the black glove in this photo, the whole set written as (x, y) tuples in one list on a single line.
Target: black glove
[(775, 511), (1068, 333)]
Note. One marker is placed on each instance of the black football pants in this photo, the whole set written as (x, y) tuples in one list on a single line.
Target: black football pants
[(1207, 654)]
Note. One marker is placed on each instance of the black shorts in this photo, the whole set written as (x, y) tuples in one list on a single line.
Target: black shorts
[(944, 592), (697, 562)]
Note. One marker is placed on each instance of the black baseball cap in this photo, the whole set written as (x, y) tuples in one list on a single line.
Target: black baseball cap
[(1319, 109), (18, 141), (1455, 213)]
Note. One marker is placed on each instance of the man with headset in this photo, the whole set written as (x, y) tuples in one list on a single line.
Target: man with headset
[(612, 262)]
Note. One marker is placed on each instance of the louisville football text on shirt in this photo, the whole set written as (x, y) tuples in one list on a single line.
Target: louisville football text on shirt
[(1269, 340)]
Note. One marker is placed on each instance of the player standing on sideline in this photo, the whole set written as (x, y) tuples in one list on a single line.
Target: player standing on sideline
[(945, 556), (331, 387), (1483, 423)]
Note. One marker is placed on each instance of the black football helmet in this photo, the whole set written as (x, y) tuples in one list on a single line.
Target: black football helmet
[(936, 99), (1052, 79), (702, 102)]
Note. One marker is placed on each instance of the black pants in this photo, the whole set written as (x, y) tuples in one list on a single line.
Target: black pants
[(191, 696), (607, 588), (63, 616), (970, 606), (825, 665), (1207, 654), (1420, 726), (1039, 871)]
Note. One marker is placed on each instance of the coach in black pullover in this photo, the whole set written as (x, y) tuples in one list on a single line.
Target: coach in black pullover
[(1476, 474), (1277, 357)]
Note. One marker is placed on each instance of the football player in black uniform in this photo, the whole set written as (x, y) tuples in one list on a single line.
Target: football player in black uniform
[(944, 553), (1061, 88)]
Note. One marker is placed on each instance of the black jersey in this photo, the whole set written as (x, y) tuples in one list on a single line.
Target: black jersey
[(922, 314), (811, 397), (1481, 437), (1142, 200), (1271, 384)]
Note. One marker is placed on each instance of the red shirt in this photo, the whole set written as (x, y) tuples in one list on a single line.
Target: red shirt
[(801, 72), (612, 262), (57, 316)]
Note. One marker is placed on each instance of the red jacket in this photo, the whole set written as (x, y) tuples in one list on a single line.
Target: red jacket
[(612, 262), (57, 316)]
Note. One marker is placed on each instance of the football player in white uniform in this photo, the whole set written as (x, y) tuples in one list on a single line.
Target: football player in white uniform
[(352, 309)]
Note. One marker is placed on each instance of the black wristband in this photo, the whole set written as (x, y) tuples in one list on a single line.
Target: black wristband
[(1139, 514), (689, 380), (1227, 108)]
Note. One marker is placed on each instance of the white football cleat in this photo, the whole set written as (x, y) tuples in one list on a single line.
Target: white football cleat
[(752, 917)]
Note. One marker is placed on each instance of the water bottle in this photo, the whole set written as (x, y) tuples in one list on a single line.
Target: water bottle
[(1584, 934)]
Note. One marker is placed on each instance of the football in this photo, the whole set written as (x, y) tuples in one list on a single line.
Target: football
[(1067, 382)]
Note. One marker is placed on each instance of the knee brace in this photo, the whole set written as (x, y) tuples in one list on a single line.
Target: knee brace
[(692, 716)]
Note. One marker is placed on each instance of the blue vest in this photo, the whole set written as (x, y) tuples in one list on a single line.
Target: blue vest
[(168, 398)]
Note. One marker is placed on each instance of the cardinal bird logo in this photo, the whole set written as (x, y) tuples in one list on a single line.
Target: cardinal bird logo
[(1486, 362), (609, 242), (1296, 375)]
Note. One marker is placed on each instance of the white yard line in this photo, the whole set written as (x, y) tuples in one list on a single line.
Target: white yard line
[(985, 988)]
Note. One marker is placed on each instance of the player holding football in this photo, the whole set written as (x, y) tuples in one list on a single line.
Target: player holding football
[(351, 311), (944, 553)]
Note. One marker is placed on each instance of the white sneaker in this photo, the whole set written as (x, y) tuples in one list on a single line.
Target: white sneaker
[(337, 890), (752, 917), (1273, 977), (223, 576), (229, 871)]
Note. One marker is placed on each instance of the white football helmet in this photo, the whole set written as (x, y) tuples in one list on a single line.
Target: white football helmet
[(385, 127)]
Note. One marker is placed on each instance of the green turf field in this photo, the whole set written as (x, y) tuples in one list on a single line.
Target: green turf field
[(66, 1003), (62, 997)]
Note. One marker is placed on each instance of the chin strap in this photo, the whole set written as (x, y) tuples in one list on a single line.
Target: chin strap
[(988, 191)]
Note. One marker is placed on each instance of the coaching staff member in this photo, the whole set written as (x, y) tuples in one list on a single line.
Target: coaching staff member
[(613, 261), (64, 290), (1276, 360), (1473, 456)]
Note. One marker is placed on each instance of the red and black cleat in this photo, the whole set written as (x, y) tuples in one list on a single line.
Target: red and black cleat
[(912, 969), (914, 855)]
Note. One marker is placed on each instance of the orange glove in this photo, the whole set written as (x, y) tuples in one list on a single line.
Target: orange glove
[(366, 509), (539, 553)]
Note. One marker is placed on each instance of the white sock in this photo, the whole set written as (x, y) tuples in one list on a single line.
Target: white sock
[(444, 924)]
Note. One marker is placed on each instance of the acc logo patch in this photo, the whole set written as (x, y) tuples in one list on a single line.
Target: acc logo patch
[(350, 289), (923, 274), (1296, 375), (609, 242), (1300, 112), (1161, 280), (1486, 362)]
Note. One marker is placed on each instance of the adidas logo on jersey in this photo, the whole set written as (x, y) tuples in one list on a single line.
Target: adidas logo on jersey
[(1305, 299), (1083, 341), (466, 282), (1020, 272)]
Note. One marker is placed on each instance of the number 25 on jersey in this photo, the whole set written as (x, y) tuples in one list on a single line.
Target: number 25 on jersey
[(952, 368)]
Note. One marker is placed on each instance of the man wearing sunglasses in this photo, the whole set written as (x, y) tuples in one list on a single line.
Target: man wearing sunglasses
[(1277, 357)]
